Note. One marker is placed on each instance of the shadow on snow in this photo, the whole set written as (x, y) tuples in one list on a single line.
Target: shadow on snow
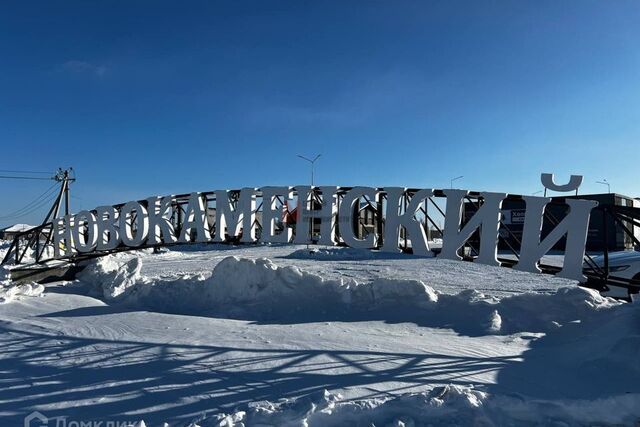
[(95, 379)]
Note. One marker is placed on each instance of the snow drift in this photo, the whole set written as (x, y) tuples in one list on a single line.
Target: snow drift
[(10, 292), (450, 405), (258, 289), (247, 288)]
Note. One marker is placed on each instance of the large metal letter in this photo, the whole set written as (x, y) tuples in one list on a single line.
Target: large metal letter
[(85, 242), (247, 207), (62, 237), (229, 219), (133, 213), (108, 236), (272, 212), (575, 226), (393, 221), (549, 183), (487, 218), (305, 214), (346, 219), (161, 230), (195, 219), (328, 213)]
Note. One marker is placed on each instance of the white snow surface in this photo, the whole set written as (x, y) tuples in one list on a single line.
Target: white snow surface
[(442, 406), (276, 335), (258, 289)]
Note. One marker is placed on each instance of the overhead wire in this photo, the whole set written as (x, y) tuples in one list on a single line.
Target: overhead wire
[(34, 201), (43, 203), (24, 177), (44, 196), (35, 172), (48, 196)]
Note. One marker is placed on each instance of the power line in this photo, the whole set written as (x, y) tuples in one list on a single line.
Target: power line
[(29, 208), (11, 171), (31, 203), (24, 177), (34, 208), (34, 201)]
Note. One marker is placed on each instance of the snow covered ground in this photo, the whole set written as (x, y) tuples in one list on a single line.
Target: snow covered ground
[(276, 335)]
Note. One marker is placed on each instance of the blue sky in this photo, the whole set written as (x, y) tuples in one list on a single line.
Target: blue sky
[(145, 98)]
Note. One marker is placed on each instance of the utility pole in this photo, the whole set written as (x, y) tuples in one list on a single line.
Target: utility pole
[(64, 177)]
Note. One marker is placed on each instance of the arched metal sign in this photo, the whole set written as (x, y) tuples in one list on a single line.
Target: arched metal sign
[(470, 225)]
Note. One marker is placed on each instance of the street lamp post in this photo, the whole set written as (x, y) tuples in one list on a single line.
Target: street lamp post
[(312, 162), (605, 182), (455, 179)]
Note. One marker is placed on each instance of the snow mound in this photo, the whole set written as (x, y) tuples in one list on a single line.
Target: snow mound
[(442, 406), (250, 288), (112, 276), (532, 312), (258, 289), (10, 292), (248, 283), (393, 294)]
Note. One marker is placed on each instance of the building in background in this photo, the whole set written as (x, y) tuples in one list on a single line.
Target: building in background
[(9, 233), (603, 230)]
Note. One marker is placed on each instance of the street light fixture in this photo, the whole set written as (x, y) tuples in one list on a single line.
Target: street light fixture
[(455, 179), (312, 164), (605, 182)]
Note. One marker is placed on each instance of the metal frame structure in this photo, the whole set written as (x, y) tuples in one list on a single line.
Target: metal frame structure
[(39, 239), (598, 277)]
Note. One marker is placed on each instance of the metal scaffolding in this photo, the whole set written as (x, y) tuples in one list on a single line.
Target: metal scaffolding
[(430, 215)]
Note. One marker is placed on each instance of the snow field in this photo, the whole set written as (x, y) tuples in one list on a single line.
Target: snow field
[(275, 336)]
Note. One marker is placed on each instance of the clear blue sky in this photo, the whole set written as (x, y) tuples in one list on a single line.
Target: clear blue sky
[(146, 98)]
